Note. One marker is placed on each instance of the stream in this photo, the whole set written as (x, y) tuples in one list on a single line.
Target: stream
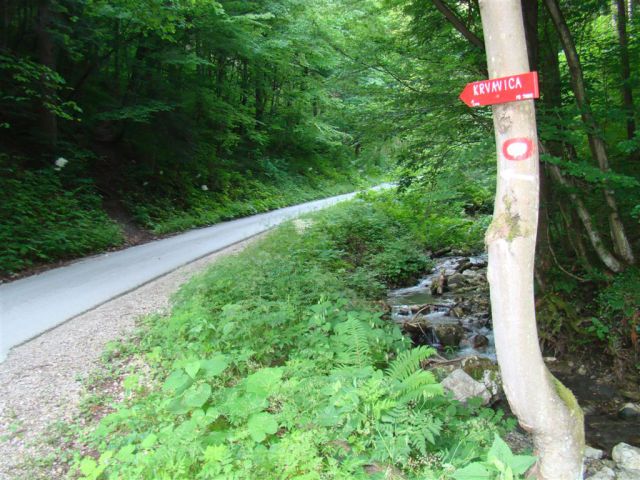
[(450, 310)]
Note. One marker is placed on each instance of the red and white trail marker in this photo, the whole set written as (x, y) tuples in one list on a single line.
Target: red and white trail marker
[(516, 149), (501, 90)]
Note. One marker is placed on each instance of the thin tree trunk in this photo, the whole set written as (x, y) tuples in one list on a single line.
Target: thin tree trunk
[(573, 234), (530, 17), (6, 21), (46, 56), (598, 245), (457, 23), (620, 241), (543, 406), (552, 98), (625, 70)]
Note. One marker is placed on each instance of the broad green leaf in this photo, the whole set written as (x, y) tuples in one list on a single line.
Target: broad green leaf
[(262, 424), (177, 406), (247, 404), (197, 396), (177, 383), (88, 465), (126, 453), (521, 463), (264, 382), (499, 452), (214, 366), (474, 471), (149, 441), (192, 369)]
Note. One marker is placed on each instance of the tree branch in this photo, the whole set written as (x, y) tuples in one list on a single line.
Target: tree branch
[(458, 24)]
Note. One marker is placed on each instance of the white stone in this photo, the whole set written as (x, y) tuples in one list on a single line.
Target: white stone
[(491, 381), (626, 456), (605, 474), (632, 407), (625, 474), (463, 387), (593, 453)]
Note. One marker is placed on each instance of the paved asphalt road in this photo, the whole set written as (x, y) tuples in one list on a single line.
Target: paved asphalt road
[(33, 305)]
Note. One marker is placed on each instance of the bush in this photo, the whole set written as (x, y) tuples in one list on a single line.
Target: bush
[(618, 306), (270, 367), (41, 221)]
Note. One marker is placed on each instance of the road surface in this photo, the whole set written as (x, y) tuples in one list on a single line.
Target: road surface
[(33, 305)]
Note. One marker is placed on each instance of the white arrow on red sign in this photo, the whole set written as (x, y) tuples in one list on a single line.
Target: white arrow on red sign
[(501, 90)]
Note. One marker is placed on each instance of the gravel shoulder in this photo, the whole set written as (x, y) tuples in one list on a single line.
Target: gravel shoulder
[(41, 381)]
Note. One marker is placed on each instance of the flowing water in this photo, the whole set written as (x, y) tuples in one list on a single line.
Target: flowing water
[(457, 321)]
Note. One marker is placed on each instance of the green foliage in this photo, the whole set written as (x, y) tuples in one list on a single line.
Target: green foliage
[(621, 298), (500, 464), (193, 111), (370, 239), (237, 196), (42, 221), (618, 306), (271, 367), (30, 84)]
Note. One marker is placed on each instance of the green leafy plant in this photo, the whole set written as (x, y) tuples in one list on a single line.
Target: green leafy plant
[(271, 367), (500, 464)]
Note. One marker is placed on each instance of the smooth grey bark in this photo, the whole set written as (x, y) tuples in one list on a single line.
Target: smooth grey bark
[(622, 247), (542, 404)]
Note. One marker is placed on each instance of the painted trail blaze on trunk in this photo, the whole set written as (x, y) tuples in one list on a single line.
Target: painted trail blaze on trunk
[(516, 149), (542, 408)]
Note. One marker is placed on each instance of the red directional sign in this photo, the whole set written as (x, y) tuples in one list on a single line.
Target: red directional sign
[(501, 90)]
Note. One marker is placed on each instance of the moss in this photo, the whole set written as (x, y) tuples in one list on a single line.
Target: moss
[(507, 225), (569, 399)]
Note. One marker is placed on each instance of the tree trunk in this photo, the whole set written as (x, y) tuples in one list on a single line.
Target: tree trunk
[(457, 23), (627, 93), (598, 245), (530, 17), (6, 21), (260, 99), (46, 56), (543, 406), (620, 241), (551, 89)]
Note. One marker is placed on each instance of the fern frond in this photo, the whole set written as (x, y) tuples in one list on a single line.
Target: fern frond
[(420, 384), (352, 343), (408, 362)]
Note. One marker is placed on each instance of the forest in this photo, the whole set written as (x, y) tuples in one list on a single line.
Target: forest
[(124, 121)]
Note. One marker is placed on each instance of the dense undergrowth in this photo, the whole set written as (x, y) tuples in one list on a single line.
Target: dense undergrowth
[(56, 214), (41, 221), (274, 364), (241, 194)]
